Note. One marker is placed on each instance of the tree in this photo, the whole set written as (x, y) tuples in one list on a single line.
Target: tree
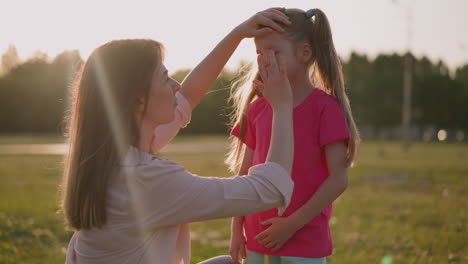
[(33, 94), (357, 72), (383, 94), (442, 102), (9, 59), (461, 75), (210, 116)]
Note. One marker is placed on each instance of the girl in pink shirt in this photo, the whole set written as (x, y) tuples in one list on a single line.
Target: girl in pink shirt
[(326, 140)]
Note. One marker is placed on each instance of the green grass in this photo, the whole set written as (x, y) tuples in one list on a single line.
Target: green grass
[(6, 139), (409, 204), (199, 138), (31, 139)]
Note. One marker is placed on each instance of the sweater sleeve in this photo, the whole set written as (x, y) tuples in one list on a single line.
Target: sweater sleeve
[(166, 194), (165, 133)]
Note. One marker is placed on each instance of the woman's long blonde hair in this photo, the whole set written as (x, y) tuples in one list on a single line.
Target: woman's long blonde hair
[(102, 124), (325, 70)]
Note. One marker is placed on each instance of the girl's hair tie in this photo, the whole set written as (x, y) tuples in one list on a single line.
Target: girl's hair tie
[(309, 13)]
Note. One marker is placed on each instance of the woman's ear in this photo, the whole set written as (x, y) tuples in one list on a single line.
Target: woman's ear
[(140, 107)]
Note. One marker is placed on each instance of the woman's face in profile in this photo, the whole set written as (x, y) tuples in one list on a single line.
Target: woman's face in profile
[(161, 97)]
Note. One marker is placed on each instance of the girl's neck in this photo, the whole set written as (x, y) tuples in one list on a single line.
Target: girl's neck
[(301, 88)]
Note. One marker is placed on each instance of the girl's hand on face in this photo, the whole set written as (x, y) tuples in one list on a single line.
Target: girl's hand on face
[(262, 23), (277, 89)]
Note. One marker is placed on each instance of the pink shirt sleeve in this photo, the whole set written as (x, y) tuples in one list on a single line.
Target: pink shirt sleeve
[(249, 136), (333, 125), (165, 133)]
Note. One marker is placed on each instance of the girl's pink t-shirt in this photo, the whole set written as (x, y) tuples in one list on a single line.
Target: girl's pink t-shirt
[(318, 120)]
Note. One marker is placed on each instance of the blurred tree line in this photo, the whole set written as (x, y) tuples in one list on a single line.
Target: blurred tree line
[(34, 94)]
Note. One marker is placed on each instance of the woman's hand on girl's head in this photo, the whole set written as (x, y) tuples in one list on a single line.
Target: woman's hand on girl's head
[(262, 23), (277, 89)]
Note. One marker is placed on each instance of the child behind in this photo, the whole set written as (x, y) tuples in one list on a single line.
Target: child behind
[(326, 140)]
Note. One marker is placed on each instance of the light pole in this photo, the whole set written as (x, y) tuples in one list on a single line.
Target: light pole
[(407, 79)]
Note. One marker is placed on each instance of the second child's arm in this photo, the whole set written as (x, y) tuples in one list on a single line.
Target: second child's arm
[(237, 245), (199, 80)]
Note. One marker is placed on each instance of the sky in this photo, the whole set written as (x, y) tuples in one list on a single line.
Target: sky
[(190, 29)]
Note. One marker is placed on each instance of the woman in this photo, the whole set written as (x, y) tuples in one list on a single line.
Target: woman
[(129, 206)]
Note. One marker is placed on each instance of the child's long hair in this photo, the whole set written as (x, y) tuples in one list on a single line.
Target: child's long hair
[(325, 70), (103, 124)]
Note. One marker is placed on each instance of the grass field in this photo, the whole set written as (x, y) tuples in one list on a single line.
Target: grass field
[(54, 139), (30, 139), (409, 205)]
